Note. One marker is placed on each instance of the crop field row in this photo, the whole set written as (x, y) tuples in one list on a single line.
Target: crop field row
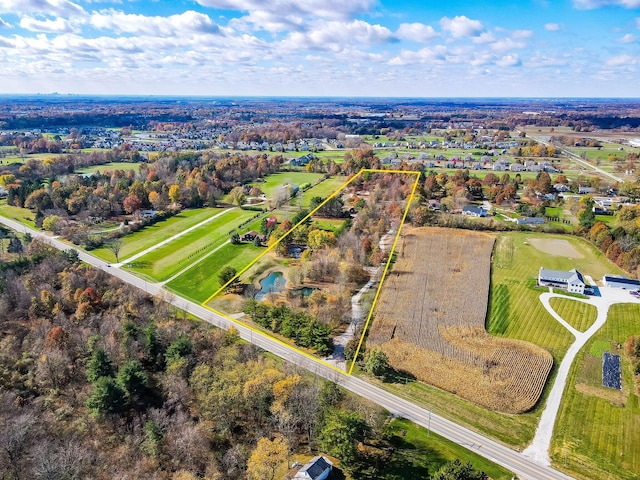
[(579, 315), (598, 428), (431, 313), (153, 234), (168, 259)]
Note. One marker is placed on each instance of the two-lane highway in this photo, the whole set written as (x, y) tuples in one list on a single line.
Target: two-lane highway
[(523, 467)]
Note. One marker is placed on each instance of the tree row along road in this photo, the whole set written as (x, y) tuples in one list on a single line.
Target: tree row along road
[(523, 467)]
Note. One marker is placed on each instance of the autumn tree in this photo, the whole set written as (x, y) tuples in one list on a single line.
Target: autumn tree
[(237, 196), (132, 203), (267, 457), (174, 193)]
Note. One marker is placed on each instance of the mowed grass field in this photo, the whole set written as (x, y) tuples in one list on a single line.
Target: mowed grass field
[(201, 281), (167, 260), (110, 167), (22, 215), (579, 315), (274, 181), (515, 310), (323, 189), (156, 233), (597, 433), (419, 454)]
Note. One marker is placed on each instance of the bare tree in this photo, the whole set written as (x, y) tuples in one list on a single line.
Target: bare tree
[(115, 246)]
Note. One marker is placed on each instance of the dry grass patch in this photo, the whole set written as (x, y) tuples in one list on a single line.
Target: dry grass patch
[(430, 322)]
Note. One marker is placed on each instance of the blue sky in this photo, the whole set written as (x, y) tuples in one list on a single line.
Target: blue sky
[(397, 48)]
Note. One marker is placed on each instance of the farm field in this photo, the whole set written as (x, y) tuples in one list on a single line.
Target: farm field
[(598, 428), (579, 315), (200, 281), (22, 215), (168, 259), (420, 321), (514, 308), (152, 234), (110, 167)]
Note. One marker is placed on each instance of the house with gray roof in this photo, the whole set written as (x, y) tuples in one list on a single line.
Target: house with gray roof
[(571, 281), (318, 468)]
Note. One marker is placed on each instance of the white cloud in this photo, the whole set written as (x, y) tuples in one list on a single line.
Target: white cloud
[(337, 36), (591, 4), (417, 32), (4, 24), (59, 25), (54, 8), (485, 37), (511, 60), (330, 9), (551, 27), (522, 34), (621, 60), (628, 38), (436, 54), (186, 22), (461, 26), (505, 44)]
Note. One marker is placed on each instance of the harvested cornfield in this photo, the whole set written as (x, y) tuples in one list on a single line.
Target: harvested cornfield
[(430, 319)]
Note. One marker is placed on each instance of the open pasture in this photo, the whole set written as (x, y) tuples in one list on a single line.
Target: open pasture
[(431, 312), (198, 282), (167, 260), (274, 181), (597, 433), (153, 234), (22, 215)]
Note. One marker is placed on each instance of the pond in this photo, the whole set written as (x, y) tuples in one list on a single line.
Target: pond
[(272, 283), (275, 283)]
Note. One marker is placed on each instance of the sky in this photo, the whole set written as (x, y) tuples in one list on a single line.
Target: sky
[(379, 48)]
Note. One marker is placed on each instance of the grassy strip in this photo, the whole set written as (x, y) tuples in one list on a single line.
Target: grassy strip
[(168, 259), (579, 315), (110, 167), (156, 233), (200, 281), (597, 433), (22, 215), (420, 454), (323, 189)]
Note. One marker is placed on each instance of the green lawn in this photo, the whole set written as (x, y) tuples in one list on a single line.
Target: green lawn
[(276, 180), (514, 308), (579, 315), (201, 281), (153, 234), (420, 454), (22, 215), (323, 189), (170, 258), (110, 167), (597, 433)]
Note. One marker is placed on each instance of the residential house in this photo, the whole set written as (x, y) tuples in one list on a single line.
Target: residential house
[(318, 468), (571, 281), (474, 211)]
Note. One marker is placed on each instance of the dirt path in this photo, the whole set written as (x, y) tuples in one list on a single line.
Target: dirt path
[(170, 239), (539, 448), (337, 358)]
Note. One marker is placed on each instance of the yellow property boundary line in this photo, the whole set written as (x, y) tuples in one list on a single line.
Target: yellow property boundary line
[(375, 299)]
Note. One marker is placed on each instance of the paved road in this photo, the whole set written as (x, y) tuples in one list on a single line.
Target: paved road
[(523, 467), (578, 159)]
